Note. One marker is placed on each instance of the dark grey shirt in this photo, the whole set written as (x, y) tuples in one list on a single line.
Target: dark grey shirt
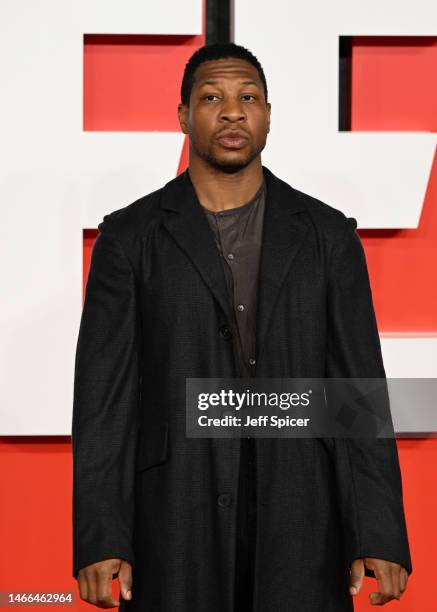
[(238, 235)]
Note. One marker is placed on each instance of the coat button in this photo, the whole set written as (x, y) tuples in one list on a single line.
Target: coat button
[(224, 499), (226, 332)]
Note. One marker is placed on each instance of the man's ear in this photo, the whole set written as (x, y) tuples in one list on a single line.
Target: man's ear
[(269, 108), (183, 117)]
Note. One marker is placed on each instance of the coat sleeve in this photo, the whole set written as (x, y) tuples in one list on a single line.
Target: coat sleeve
[(105, 408), (367, 470)]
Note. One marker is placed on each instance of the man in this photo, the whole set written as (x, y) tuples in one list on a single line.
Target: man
[(227, 271)]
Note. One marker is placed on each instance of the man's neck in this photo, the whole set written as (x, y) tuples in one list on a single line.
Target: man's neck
[(220, 190)]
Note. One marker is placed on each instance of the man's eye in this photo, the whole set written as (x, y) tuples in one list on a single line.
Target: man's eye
[(248, 96), (210, 96)]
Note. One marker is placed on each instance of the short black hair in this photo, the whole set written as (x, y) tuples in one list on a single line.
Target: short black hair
[(213, 52)]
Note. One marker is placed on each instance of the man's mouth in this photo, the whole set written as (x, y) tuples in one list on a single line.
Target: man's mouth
[(233, 141)]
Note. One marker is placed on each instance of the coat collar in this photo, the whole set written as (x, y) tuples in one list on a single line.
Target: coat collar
[(284, 232)]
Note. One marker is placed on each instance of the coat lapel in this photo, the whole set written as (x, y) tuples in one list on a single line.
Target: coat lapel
[(187, 223), (284, 232)]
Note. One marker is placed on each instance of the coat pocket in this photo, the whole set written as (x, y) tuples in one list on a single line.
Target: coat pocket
[(153, 446)]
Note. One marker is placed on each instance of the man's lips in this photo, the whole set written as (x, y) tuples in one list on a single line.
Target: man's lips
[(233, 140)]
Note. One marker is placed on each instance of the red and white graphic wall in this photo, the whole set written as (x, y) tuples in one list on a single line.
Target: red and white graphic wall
[(89, 92)]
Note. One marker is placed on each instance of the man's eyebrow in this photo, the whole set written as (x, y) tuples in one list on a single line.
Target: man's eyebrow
[(250, 83), (213, 82)]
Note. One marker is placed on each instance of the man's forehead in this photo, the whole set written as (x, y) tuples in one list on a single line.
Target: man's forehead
[(226, 69)]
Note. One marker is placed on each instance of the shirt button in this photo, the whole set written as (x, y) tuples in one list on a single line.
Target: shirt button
[(240, 307), (224, 500), (225, 332), (230, 256), (252, 361)]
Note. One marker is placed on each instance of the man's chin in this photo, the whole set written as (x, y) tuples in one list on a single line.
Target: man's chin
[(230, 164)]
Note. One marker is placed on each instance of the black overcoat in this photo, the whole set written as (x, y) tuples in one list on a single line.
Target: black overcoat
[(156, 311)]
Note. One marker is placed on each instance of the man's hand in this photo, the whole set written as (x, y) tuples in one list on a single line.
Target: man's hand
[(95, 582), (392, 579)]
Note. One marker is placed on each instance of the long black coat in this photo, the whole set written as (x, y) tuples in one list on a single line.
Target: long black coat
[(156, 311)]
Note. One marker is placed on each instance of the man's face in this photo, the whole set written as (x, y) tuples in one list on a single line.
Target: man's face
[(228, 118)]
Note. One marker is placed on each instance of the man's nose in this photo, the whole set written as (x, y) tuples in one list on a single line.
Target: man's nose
[(232, 111)]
